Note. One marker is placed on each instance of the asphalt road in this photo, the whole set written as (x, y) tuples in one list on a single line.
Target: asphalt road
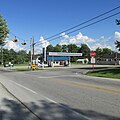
[(65, 94)]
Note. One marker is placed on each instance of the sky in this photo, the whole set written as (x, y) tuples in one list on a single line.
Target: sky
[(44, 18)]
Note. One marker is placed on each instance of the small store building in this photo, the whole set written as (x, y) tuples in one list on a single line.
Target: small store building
[(60, 58)]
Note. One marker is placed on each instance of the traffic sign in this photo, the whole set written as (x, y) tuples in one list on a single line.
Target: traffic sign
[(92, 54), (33, 66), (92, 60)]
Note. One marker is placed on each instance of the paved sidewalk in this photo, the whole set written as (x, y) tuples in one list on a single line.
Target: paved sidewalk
[(12, 109)]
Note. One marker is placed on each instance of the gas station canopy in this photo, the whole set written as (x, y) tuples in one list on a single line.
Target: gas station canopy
[(63, 54)]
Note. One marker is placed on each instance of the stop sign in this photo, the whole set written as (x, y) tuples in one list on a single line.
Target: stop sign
[(92, 54)]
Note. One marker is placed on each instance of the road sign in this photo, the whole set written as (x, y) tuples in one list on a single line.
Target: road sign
[(92, 60), (92, 54), (33, 66)]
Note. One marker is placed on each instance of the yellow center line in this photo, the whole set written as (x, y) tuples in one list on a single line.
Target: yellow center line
[(93, 87), (86, 85)]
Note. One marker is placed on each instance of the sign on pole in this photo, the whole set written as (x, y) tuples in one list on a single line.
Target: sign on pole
[(92, 60), (92, 54)]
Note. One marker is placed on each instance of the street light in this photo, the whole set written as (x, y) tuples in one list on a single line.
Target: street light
[(15, 40), (23, 43)]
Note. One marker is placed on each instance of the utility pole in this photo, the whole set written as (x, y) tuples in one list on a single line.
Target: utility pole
[(33, 46), (32, 53), (31, 50), (2, 55)]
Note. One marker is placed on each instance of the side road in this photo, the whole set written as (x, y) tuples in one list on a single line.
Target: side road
[(12, 109)]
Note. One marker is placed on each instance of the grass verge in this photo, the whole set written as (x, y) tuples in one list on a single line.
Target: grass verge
[(107, 73), (26, 69), (22, 69)]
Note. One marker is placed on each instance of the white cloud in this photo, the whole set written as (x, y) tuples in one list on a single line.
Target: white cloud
[(64, 35), (102, 42), (117, 35), (78, 39), (85, 39), (11, 45), (43, 42), (100, 45)]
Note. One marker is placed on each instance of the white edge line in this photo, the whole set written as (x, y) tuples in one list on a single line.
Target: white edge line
[(24, 87), (52, 101)]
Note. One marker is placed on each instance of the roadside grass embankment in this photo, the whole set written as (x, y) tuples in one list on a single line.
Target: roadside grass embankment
[(107, 73)]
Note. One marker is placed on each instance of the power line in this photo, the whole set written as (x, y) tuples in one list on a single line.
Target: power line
[(17, 36), (83, 23), (84, 27), (77, 26)]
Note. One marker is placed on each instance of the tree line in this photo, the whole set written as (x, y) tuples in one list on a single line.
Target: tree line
[(21, 56), (14, 57), (84, 49)]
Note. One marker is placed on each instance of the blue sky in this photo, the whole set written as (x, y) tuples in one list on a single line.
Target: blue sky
[(28, 18)]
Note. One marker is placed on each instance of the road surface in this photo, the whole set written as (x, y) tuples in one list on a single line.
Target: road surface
[(65, 94)]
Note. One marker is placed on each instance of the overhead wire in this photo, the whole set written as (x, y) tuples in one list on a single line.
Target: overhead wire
[(53, 37), (83, 23), (83, 27), (17, 36)]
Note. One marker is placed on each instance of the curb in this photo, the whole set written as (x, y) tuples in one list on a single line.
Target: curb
[(20, 102)]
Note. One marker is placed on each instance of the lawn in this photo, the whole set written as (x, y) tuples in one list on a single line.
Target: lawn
[(107, 73), (24, 64)]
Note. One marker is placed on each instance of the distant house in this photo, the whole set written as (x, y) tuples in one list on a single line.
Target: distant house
[(109, 59), (83, 61)]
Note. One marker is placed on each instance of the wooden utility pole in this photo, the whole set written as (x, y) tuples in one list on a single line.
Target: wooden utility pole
[(31, 50), (33, 46)]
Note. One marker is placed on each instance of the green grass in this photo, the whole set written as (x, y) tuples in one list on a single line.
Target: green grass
[(26, 69), (24, 64), (107, 73), (22, 69)]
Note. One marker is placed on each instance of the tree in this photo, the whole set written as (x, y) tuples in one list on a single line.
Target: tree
[(85, 50), (117, 43), (5, 55), (3, 30), (117, 22), (23, 56), (106, 51), (99, 52), (64, 48), (50, 48), (72, 48), (57, 48), (12, 55)]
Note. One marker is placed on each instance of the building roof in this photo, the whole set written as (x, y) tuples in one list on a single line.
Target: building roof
[(63, 54)]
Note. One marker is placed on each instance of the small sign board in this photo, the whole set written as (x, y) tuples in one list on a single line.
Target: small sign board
[(33, 66), (92, 60)]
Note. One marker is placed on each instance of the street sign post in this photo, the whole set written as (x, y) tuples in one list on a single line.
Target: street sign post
[(92, 62), (92, 54)]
